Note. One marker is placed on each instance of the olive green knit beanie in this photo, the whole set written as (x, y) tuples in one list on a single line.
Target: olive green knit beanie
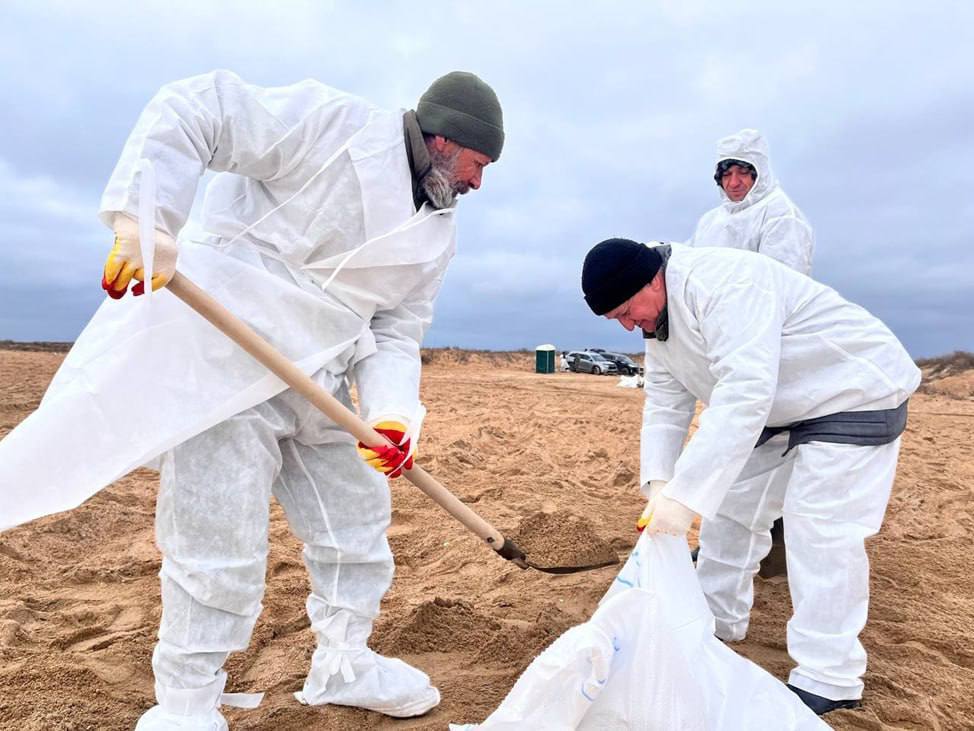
[(462, 107)]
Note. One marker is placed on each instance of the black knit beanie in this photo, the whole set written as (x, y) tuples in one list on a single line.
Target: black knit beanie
[(614, 270), (462, 107)]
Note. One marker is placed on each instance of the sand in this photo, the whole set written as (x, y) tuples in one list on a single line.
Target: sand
[(79, 597), (561, 539)]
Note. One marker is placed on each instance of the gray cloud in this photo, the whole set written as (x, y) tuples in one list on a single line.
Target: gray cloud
[(612, 112)]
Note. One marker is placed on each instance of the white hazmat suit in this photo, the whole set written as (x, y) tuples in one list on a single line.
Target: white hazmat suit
[(314, 239), (761, 346), (766, 220)]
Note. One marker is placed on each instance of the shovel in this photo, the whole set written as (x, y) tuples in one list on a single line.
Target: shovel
[(238, 331)]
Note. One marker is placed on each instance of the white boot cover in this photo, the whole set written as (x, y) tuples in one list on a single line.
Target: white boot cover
[(190, 709), (362, 678), (194, 709), (345, 672), (158, 719)]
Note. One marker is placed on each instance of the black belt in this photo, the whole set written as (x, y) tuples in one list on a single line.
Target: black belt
[(865, 428)]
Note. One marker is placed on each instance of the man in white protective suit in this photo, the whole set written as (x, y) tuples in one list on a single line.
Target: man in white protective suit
[(792, 376), (757, 215), (329, 228)]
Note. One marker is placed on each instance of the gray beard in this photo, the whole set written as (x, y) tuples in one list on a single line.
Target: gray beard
[(439, 184)]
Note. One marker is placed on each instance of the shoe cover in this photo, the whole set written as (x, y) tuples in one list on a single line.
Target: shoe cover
[(194, 709), (365, 679), (158, 719)]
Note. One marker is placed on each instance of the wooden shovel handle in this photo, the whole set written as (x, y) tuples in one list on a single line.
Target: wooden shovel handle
[(241, 333)]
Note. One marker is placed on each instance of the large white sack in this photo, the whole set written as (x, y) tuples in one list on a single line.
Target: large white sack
[(634, 381), (648, 659)]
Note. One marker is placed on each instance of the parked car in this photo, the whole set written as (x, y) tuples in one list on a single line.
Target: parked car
[(626, 365), (587, 362)]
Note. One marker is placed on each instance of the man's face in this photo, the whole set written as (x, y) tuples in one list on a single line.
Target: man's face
[(643, 308), (456, 170), (736, 182), (468, 165)]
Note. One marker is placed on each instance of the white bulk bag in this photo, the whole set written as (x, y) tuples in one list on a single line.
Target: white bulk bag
[(648, 659)]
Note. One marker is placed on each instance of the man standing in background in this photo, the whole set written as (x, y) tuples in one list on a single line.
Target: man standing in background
[(757, 215)]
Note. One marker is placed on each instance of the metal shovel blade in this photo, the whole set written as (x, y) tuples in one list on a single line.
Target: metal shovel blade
[(571, 569)]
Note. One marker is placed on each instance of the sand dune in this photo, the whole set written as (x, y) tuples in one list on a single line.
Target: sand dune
[(79, 599)]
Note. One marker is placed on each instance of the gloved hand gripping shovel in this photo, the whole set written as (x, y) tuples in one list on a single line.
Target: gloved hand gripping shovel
[(238, 331)]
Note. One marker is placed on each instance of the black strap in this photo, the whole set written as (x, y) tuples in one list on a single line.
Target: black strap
[(864, 428)]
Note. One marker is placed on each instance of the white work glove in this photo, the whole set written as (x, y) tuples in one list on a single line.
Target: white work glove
[(124, 261), (670, 517), (652, 489), (664, 514)]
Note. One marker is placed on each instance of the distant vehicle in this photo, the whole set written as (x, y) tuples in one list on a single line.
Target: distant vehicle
[(624, 363), (589, 362)]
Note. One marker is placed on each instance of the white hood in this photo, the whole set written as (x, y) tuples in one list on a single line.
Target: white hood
[(750, 146)]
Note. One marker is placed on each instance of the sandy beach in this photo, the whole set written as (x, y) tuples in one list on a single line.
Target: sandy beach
[(79, 595)]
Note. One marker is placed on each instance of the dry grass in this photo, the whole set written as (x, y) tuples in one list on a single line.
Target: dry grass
[(36, 347), (946, 365)]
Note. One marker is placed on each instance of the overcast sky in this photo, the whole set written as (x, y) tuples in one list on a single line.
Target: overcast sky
[(612, 111)]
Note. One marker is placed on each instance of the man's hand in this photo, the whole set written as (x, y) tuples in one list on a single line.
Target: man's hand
[(389, 460), (124, 261), (663, 514), (653, 488), (669, 516)]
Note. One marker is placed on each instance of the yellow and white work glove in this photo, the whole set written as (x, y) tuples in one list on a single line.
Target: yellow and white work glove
[(653, 488), (124, 261), (389, 460), (663, 514)]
